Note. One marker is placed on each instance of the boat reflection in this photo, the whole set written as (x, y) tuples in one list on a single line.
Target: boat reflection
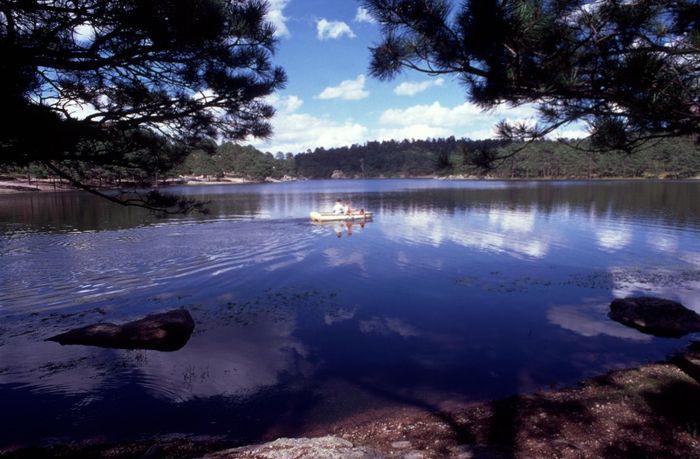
[(346, 228)]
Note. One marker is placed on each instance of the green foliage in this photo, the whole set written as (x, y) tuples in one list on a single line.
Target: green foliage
[(629, 69), (376, 159), (131, 84), (669, 157), (666, 158), (235, 160)]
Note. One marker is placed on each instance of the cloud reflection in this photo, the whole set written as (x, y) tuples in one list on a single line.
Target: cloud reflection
[(49, 367), (230, 359), (340, 315), (517, 221), (387, 326), (683, 286), (591, 320), (613, 239), (496, 230), (663, 243), (336, 258)]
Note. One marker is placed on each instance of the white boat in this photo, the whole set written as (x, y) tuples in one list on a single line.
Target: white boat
[(331, 217)]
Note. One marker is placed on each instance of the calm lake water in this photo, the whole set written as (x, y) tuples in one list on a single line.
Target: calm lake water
[(457, 291)]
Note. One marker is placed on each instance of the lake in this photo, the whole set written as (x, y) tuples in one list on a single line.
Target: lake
[(456, 291)]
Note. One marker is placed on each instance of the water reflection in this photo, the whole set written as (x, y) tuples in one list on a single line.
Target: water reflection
[(673, 203), (682, 286), (496, 230), (236, 361), (614, 239), (591, 320), (387, 325), (456, 290), (344, 228)]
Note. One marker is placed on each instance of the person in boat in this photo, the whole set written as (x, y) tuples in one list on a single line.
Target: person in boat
[(348, 208), (338, 208)]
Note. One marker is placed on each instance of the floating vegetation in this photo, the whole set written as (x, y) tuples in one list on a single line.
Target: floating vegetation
[(522, 284), (621, 277), (276, 305), (55, 367), (646, 280)]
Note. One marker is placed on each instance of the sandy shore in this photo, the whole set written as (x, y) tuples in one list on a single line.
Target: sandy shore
[(19, 185), (650, 411), (25, 186)]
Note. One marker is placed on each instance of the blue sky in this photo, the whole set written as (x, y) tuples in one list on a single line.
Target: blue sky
[(330, 99)]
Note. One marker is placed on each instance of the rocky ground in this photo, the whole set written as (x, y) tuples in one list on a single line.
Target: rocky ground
[(19, 186), (651, 411)]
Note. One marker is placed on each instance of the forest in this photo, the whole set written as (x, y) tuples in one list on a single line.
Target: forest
[(666, 158), (449, 157)]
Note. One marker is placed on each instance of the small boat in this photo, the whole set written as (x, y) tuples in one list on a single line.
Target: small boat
[(331, 217)]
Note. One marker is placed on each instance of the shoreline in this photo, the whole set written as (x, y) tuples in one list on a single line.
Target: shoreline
[(650, 409), (8, 187)]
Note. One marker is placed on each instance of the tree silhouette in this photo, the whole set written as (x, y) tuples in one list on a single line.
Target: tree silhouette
[(628, 69), (118, 83)]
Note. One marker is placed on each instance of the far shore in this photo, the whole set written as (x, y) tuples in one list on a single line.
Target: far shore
[(23, 185), (649, 411)]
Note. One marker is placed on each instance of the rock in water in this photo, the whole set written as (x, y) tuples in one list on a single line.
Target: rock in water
[(168, 331), (655, 316)]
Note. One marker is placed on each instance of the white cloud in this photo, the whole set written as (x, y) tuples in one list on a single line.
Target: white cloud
[(347, 90), (332, 29), (296, 132), (465, 120), (461, 115), (276, 16), (84, 34), (436, 120), (286, 105), (415, 131), (411, 88), (572, 132), (364, 16)]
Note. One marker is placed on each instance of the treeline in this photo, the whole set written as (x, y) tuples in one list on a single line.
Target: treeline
[(146, 168), (669, 157), (234, 160)]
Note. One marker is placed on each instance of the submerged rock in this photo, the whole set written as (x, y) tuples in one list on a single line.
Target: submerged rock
[(328, 447), (655, 316), (168, 331)]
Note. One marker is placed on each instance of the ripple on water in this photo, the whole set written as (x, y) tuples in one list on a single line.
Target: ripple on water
[(458, 291), (56, 270)]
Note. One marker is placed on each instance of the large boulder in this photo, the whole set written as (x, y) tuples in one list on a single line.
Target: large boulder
[(655, 316), (168, 331)]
